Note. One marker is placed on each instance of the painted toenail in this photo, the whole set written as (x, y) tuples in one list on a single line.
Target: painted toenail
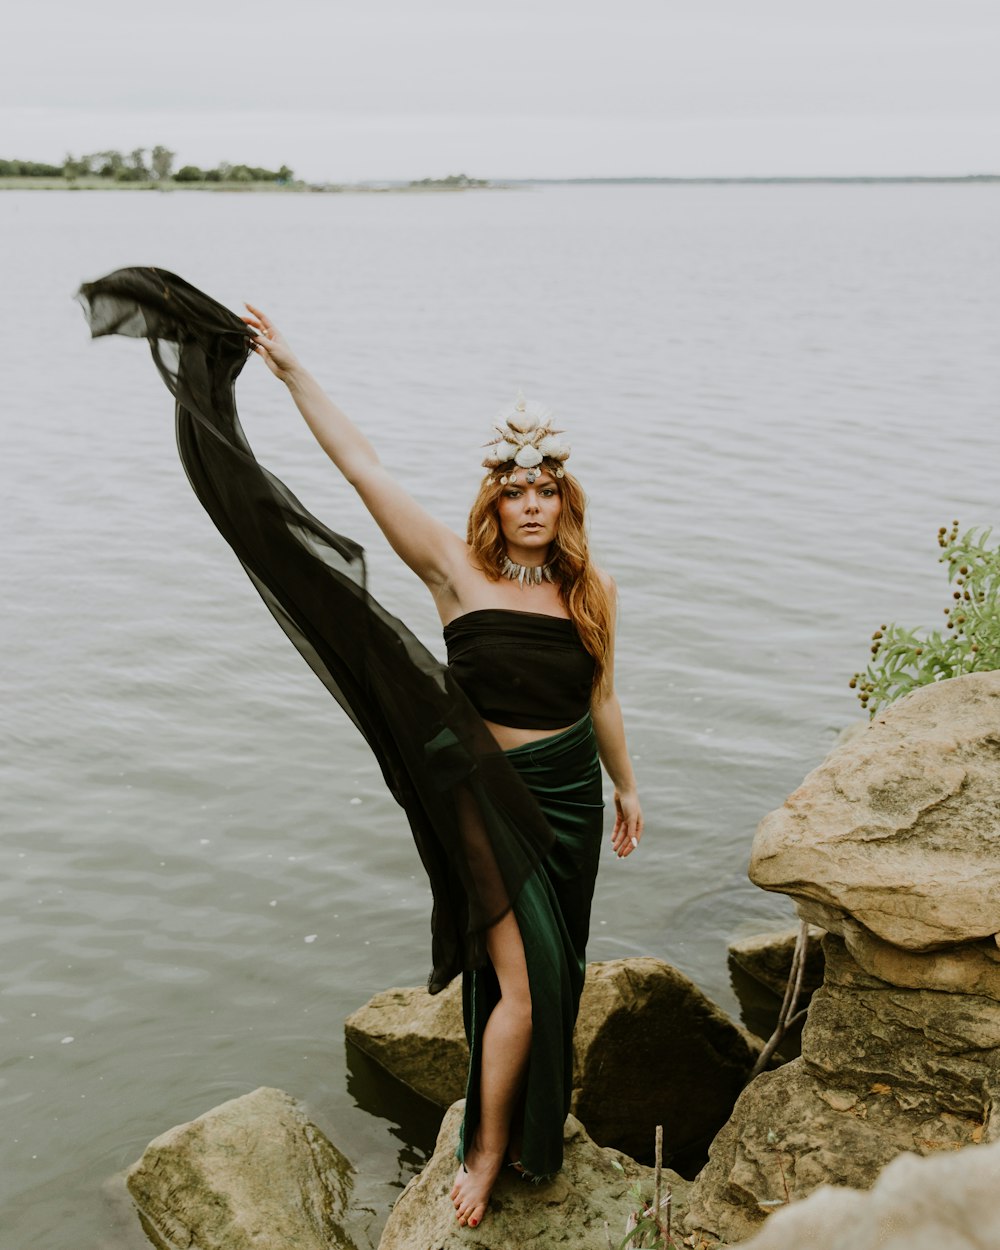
[(473, 1223)]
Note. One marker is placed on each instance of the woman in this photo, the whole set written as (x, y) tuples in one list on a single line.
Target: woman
[(513, 562), (529, 627)]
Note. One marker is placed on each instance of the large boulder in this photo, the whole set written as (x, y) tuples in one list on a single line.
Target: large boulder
[(916, 1204), (891, 845), (418, 1037), (569, 1210), (883, 1070), (899, 828), (649, 1048), (252, 1174)]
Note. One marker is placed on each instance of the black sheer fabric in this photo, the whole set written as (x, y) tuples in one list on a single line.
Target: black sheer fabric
[(478, 830)]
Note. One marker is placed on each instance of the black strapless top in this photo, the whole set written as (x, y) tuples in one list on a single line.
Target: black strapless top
[(525, 670)]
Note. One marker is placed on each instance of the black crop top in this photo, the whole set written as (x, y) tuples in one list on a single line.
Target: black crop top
[(525, 670)]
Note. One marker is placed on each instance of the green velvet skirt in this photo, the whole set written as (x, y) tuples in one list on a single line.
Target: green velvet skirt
[(552, 910)]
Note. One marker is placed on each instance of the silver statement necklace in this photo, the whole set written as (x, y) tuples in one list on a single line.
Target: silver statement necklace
[(526, 574)]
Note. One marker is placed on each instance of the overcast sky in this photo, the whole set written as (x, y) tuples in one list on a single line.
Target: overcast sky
[(364, 89)]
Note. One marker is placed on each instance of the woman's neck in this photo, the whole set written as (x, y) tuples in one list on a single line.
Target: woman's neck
[(528, 557)]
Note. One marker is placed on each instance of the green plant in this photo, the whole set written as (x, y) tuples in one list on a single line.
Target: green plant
[(643, 1231), (902, 659), (648, 1225)]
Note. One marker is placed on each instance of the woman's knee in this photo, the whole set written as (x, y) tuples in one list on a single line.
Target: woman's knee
[(510, 965), (518, 1004)]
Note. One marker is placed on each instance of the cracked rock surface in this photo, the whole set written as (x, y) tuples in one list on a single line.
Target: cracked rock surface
[(250, 1173), (899, 827), (883, 1070)]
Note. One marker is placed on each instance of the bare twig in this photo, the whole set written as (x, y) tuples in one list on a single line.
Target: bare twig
[(786, 1016), (659, 1173)]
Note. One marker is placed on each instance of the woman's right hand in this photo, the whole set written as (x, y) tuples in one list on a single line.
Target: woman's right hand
[(270, 344)]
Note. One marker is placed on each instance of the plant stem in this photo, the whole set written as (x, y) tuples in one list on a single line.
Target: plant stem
[(659, 1173), (786, 1014)]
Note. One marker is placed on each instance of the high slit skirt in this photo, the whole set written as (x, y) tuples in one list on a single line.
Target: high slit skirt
[(552, 911)]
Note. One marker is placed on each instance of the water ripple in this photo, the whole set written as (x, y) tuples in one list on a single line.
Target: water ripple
[(775, 396)]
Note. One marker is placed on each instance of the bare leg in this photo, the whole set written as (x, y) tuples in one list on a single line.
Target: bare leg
[(506, 1044)]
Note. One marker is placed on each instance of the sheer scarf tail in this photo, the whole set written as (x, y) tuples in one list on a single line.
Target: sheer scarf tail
[(478, 830)]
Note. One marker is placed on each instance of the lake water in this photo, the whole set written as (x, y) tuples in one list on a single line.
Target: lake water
[(776, 394)]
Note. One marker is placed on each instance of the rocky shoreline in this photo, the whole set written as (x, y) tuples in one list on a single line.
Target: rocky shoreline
[(882, 1133)]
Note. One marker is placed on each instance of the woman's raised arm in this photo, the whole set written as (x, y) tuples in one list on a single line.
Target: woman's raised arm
[(428, 546)]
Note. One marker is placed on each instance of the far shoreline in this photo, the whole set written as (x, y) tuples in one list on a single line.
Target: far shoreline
[(234, 188), (439, 186)]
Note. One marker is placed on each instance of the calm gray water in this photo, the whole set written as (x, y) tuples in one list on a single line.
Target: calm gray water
[(775, 394)]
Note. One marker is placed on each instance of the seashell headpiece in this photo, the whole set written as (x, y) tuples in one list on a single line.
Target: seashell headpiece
[(524, 438)]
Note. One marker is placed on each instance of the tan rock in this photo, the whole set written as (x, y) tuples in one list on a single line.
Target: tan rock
[(651, 1049), (973, 968), (838, 1099), (890, 845), (939, 1052), (251, 1174), (788, 1136), (884, 1070), (767, 957), (418, 1037), (569, 1210), (916, 1204), (821, 915), (899, 827)]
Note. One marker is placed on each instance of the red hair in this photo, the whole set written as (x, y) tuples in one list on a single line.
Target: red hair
[(585, 593)]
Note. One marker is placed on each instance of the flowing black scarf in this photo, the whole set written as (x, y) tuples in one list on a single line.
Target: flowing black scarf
[(478, 830)]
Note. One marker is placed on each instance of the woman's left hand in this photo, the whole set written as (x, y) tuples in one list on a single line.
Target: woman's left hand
[(627, 832)]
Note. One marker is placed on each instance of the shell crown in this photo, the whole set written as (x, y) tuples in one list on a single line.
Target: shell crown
[(525, 434)]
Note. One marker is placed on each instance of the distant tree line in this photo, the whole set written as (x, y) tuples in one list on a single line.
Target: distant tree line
[(225, 172), (453, 180), (117, 166), (141, 165), (29, 169)]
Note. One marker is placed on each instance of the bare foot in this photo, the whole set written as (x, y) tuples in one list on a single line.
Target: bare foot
[(474, 1183)]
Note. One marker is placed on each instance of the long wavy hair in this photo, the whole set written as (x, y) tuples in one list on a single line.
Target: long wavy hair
[(585, 595)]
